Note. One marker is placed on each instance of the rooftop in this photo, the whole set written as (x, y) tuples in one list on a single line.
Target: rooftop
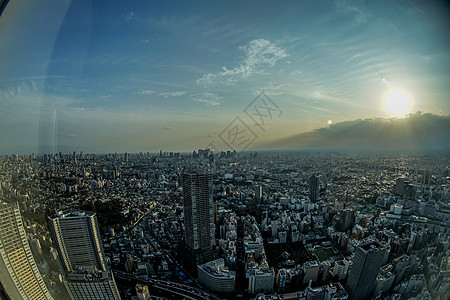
[(373, 245), (73, 214)]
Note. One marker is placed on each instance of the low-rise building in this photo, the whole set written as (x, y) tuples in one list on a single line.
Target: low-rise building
[(216, 276)]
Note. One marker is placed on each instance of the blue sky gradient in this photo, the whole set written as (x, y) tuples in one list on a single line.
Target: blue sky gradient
[(131, 76)]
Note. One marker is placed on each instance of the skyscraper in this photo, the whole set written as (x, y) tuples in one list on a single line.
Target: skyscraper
[(76, 237), (313, 188), (198, 212), (363, 273), (22, 279), (258, 193), (347, 219), (241, 280)]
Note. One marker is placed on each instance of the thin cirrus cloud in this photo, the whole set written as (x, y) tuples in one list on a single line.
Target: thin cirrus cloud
[(209, 99), (173, 94), (259, 53), (129, 15), (163, 94), (146, 92), (347, 7)]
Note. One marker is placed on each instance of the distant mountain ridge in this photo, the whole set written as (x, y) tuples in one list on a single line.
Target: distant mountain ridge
[(417, 131)]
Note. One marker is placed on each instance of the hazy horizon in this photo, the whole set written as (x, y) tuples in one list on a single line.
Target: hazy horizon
[(319, 140)]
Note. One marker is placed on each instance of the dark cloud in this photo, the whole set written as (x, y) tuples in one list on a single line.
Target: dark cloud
[(417, 131)]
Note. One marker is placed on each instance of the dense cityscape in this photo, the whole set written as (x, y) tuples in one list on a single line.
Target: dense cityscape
[(209, 225)]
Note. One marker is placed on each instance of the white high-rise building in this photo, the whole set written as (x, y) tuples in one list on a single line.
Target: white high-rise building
[(20, 276)]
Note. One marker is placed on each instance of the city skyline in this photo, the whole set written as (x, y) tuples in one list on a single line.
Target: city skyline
[(140, 76), (292, 225)]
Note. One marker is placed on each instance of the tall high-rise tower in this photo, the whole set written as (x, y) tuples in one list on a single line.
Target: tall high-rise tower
[(313, 188), (241, 280), (198, 212), (258, 193), (363, 273), (22, 279), (76, 237)]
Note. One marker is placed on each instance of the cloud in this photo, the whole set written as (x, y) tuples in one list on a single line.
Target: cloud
[(173, 94), (128, 16), (30, 96), (350, 7), (207, 79), (169, 128), (146, 92), (296, 73), (417, 131), (208, 99), (163, 94), (262, 52), (271, 89), (227, 76), (258, 54), (386, 82)]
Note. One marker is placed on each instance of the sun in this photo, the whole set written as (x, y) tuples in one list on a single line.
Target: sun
[(397, 103)]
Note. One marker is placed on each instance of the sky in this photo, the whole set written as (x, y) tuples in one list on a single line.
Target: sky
[(138, 76)]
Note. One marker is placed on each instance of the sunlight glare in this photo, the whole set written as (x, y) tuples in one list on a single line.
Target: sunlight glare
[(397, 103)]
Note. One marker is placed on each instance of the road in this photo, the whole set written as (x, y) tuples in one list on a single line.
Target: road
[(178, 289)]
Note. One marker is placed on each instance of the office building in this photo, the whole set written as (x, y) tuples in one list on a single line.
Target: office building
[(340, 269), (313, 188), (333, 291), (261, 280), (426, 179), (198, 211), (311, 271), (20, 276), (241, 281), (347, 219), (367, 262), (258, 192), (216, 276), (36, 248), (383, 283), (142, 292), (76, 237)]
